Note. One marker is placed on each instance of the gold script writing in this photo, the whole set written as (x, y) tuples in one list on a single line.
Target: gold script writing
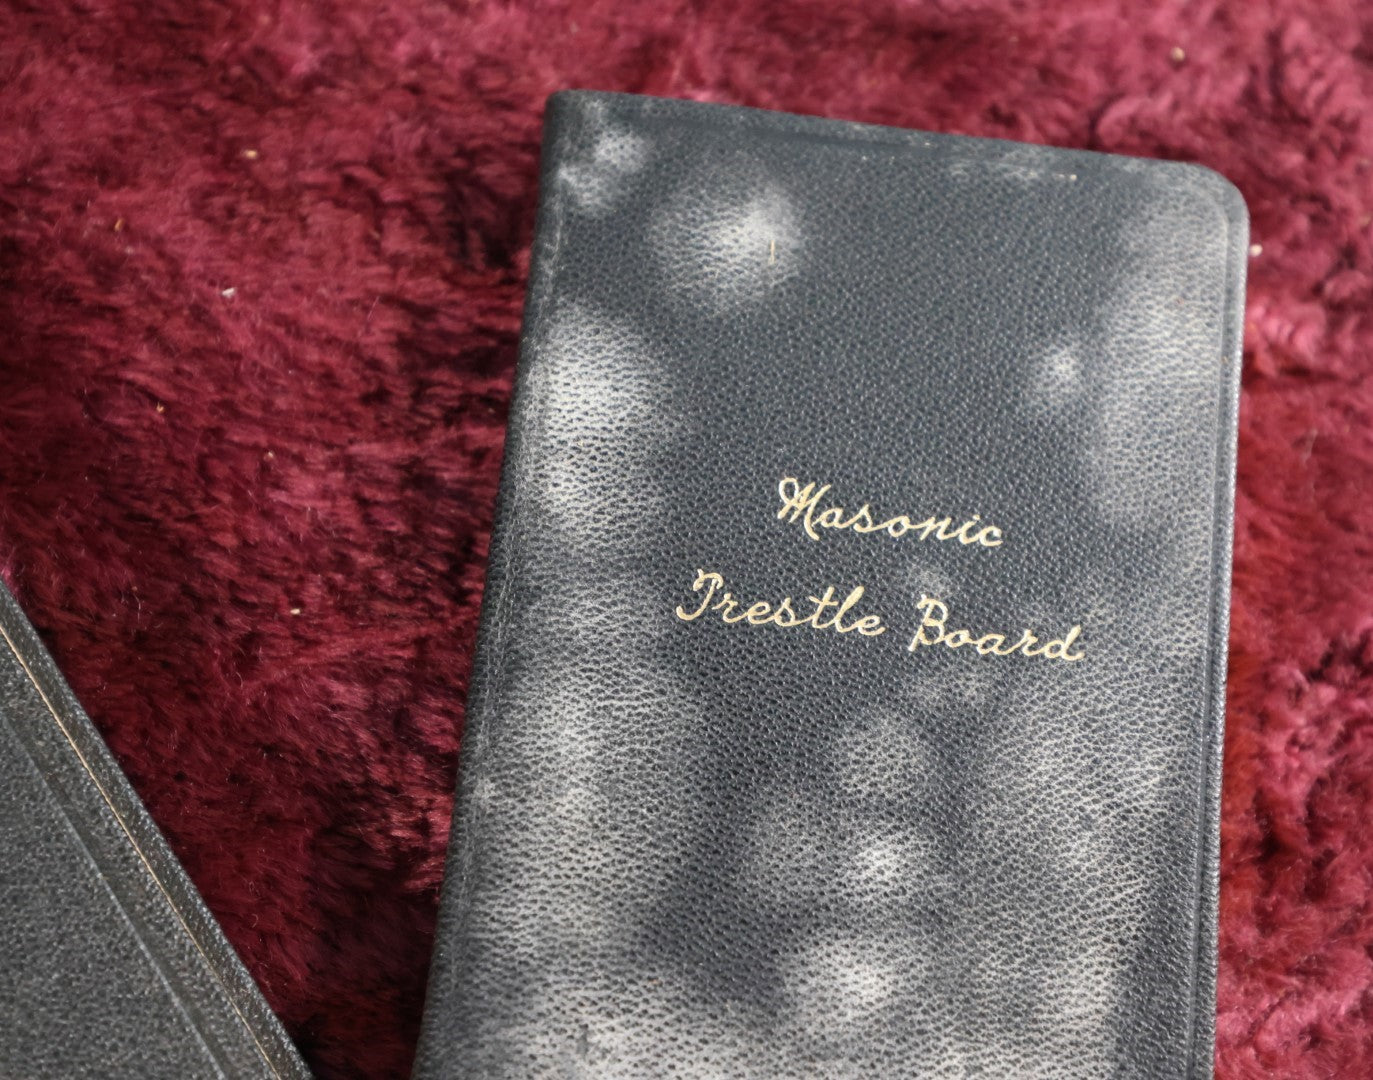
[(933, 630), (803, 505), (827, 612)]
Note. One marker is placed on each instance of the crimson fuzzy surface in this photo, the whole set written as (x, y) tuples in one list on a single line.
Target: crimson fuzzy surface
[(261, 267)]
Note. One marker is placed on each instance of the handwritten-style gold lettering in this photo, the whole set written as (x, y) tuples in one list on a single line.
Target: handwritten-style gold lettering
[(802, 505), (933, 630), (827, 611)]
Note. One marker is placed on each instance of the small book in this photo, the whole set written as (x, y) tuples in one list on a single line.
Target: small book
[(110, 963), (849, 688)]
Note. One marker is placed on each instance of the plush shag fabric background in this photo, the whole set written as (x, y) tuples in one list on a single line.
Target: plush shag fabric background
[(261, 267)]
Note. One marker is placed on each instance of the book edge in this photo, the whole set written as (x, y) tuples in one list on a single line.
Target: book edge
[(145, 840)]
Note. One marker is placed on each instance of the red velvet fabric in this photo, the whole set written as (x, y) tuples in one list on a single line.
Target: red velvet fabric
[(261, 268)]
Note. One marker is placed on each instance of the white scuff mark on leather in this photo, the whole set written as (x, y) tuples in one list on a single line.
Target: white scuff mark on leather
[(727, 248), (882, 760), (835, 985), (949, 688), (1079, 993), (597, 178), (889, 866), (599, 390), (1055, 379), (1158, 365), (787, 854), (923, 577)]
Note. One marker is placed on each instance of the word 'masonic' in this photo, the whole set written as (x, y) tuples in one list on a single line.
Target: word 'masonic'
[(803, 506)]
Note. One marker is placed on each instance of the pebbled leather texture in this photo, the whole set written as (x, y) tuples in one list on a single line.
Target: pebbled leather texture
[(690, 848), (110, 963)]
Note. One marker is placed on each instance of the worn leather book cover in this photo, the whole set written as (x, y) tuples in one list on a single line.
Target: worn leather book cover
[(110, 963), (848, 699)]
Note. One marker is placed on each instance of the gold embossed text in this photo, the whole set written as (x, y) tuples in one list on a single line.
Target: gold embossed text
[(933, 630), (824, 612), (808, 507)]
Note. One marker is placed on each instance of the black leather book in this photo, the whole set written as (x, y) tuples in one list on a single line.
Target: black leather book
[(110, 963), (848, 699)]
